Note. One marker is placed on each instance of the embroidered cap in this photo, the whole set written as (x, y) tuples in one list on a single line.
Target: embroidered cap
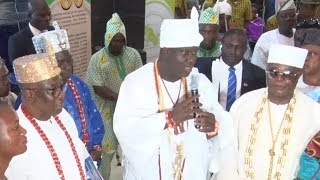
[(35, 68), (210, 16), (175, 33), (282, 5), (58, 38), (287, 55), (114, 26)]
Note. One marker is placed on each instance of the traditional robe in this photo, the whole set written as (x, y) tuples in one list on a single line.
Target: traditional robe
[(147, 147), (93, 117), (309, 161), (214, 52), (261, 50), (305, 124), (37, 163)]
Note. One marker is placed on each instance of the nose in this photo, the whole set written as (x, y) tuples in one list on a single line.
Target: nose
[(48, 17), (23, 131), (61, 95)]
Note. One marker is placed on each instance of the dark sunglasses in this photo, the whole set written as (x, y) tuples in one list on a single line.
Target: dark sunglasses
[(287, 75)]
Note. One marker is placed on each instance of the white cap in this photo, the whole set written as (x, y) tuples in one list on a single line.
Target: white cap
[(58, 38), (175, 33), (224, 8), (287, 55)]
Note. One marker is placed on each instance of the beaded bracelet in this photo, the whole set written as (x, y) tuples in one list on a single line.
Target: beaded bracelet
[(169, 121)]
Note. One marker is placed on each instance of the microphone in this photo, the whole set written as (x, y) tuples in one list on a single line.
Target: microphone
[(194, 91)]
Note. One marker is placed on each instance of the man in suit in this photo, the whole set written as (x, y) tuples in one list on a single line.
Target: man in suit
[(233, 75), (20, 44)]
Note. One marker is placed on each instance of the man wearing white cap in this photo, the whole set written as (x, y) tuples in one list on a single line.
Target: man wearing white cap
[(154, 122), (54, 150), (283, 35), (106, 70), (273, 125)]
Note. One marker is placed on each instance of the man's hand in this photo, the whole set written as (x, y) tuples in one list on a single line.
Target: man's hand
[(95, 155), (184, 110), (206, 121)]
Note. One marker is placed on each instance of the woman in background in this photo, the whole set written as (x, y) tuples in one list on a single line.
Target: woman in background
[(255, 28), (13, 140)]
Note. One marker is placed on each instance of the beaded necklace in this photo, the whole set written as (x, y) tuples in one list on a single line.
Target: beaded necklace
[(50, 147), (84, 127)]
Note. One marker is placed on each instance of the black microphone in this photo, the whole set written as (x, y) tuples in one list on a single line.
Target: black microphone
[(194, 92)]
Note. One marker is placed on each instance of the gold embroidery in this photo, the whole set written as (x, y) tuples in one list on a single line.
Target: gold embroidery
[(254, 127), (178, 162)]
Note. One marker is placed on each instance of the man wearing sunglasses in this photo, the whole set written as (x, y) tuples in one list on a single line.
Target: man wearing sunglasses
[(310, 85), (274, 124)]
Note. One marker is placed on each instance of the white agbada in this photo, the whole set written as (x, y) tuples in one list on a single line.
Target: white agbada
[(36, 163), (141, 134), (261, 50), (305, 124)]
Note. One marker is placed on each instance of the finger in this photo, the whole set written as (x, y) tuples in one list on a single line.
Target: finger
[(205, 120), (207, 114), (192, 111), (206, 129), (191, 98)]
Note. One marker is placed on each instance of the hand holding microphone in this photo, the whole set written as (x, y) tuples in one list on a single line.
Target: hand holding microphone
[(184, 110), (194, 92)]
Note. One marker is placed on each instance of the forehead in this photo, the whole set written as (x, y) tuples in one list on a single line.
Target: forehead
[(118, 37), (208, 27), (287, 12), (40, 7), (53, 82), (281, 67), (63, 55), (311, 47), (234, 38), (184, 48)]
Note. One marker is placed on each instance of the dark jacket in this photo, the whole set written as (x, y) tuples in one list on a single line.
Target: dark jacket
[(253, 77), (20, 44)]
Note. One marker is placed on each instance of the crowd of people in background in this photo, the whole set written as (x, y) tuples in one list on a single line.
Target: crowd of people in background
[(233, 94)]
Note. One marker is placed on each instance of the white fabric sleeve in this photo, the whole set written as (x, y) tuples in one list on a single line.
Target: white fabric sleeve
[(137, 125)]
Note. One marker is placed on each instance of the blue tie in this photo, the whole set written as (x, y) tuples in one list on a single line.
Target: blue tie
[(232, 86)]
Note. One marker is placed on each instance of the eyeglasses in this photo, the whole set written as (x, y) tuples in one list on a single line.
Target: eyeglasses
[(52, 91), (287, 75), (309, 23), (186, 52)]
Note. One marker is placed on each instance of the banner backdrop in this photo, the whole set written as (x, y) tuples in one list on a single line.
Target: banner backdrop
[(75, 17), (156, 11)]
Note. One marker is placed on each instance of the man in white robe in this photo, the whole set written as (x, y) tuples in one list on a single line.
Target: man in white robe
[(283, 35), (54, 150), (153, 119), (273, 125)]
